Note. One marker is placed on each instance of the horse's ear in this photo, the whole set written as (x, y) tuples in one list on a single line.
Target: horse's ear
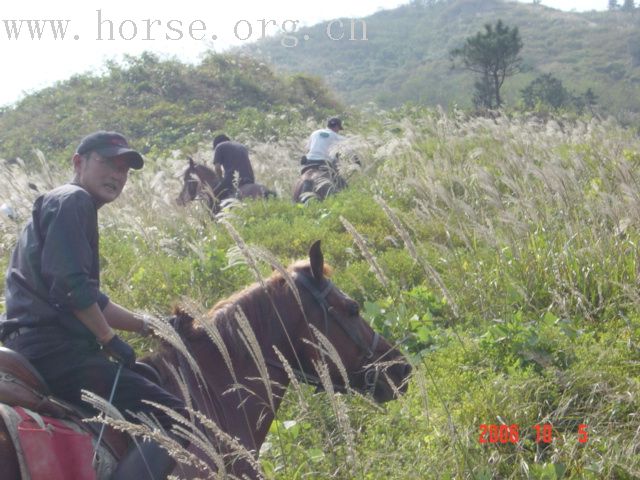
[(191, 162), (316, 260)]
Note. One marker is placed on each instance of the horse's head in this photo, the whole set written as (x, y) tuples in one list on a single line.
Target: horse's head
[(372, 364), (191, 184), (199, 181)]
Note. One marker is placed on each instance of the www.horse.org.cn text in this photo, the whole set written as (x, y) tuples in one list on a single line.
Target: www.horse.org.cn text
[(112, 28)]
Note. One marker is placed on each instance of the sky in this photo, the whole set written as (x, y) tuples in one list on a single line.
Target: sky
[(78, 37)]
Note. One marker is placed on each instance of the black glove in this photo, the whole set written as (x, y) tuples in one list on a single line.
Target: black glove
[(120, 351)]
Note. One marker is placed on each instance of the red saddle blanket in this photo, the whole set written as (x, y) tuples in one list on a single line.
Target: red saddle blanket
[(52, 450)]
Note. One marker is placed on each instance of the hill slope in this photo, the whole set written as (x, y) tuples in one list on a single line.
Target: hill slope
[(160, 105), (501, 254), (405, 56)]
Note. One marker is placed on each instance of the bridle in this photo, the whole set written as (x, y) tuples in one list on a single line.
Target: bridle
[(193, 182), (199, 186), (321, 297), (372, 373)]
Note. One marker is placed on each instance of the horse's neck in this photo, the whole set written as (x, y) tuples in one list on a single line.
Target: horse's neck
[(207, 175), (244, 411), (268, 314), (236, 412)]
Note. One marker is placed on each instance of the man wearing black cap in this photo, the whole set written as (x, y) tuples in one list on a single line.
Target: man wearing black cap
[(322, 143), (56, 315)]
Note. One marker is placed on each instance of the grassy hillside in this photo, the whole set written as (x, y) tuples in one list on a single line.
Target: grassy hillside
[(406, 55), (161, 105), (507, 261)]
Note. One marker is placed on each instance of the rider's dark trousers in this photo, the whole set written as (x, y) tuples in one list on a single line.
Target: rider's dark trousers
[(81, 367)]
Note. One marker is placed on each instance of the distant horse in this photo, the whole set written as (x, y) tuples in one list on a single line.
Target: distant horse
[(300, 323), (319, 179), (200, 181)]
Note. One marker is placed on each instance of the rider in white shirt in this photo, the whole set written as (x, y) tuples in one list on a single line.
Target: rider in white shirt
[(321, 143)]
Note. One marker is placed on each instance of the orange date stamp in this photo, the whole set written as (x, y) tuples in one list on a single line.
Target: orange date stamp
[(492, 433)]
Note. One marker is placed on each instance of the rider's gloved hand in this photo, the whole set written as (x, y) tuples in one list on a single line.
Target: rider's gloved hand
[(120, 351), (147, 322)]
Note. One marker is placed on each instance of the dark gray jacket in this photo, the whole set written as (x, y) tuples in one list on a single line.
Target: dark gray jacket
[(55, 265), (234, 157)]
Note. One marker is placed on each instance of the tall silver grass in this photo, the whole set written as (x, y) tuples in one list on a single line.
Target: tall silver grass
[(411, 248), (366, 253)]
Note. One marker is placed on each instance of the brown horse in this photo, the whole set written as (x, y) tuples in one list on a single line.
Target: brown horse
[(200, 181), (251, 346), (319, 179)]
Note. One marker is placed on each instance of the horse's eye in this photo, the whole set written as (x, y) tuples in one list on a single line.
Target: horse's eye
[(354, 309)]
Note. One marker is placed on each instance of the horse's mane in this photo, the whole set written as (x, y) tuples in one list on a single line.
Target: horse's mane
[(254, 304), (201, 170), (248, 294), (206, 173)]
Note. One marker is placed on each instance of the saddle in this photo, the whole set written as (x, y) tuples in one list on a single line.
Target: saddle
[(319, 165), (22, 385)]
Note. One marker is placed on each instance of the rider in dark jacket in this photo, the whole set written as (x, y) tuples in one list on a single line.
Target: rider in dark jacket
[(233, 157), (56, 314)]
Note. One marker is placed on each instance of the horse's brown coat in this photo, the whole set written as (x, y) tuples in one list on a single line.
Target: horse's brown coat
[(200, 181), (245, 412)]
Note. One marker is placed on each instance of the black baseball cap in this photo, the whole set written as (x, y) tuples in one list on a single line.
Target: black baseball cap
[(220, 139), (335, 122), (110, 144)]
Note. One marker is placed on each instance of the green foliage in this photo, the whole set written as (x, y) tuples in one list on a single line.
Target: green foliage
[(511, 284), (547, 90), (517, 343), (162, 106), (628, 5), (494, 55), (420, 332), (292, 458), (405, 56), (272, 125)]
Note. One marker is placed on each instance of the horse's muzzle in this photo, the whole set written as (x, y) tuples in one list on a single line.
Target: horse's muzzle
[(387, 383)]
